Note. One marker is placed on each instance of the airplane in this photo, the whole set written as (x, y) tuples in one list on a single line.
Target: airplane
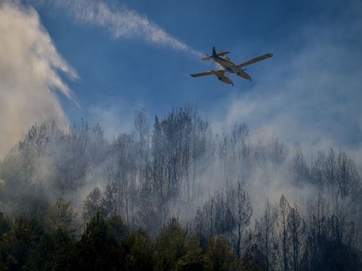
[(229, 66)]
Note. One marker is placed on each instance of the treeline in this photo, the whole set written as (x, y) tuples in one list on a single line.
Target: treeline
[(109, 244), (258, 201)]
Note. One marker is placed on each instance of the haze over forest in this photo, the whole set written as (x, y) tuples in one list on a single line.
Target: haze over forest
[(268, 202), (105, 164)]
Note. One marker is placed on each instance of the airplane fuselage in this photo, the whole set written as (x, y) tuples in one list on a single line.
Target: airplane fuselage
[(230, 66)]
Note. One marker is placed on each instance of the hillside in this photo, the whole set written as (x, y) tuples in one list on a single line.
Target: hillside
[(175, 185)]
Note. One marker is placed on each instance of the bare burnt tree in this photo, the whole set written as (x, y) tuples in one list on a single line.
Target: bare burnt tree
[(213, 219), (121, 175), (71, 160), (239, 206), (296, 236), (142, 144), (300, 169), (266, 236), (283, 244), (233, 156)]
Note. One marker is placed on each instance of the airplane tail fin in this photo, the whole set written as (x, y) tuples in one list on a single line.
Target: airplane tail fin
[(214, 52)]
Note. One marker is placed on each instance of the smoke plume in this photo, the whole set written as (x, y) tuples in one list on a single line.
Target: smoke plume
[(29, 63), (121, 22), (309, 93)]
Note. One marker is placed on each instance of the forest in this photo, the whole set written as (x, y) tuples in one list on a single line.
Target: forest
[(175, 195)]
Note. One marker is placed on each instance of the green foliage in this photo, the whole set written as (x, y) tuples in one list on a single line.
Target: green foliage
[(5, 224), (139, 256), (219, 256), (253, 259), (54, 252), (5, 227), (99, 247), (32, 204), (19, 242), (60, 215), (117, 227), (92, 204), (192, 260), (175, 249)]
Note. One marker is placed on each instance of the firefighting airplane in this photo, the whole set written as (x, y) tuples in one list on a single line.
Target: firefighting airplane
[(229, 66)]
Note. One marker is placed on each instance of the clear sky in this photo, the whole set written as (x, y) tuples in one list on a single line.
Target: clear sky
[(104, 60)]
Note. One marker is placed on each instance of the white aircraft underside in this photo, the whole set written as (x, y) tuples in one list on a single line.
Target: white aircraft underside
[(229, 66)]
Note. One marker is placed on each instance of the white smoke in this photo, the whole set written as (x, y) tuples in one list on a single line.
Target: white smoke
[(310, 92), (120, 22), (29, 62), (28, 75)]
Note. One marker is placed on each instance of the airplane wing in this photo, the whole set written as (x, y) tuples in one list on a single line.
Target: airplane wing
[(259, 58), (201, 74)]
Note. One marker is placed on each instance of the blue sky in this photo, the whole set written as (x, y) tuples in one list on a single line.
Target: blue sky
[(105, 60)]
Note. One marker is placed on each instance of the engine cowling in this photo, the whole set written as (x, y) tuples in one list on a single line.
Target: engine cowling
[(220, 75)]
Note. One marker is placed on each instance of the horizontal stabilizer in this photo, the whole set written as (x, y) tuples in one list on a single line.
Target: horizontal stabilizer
[(207, 57), (215, 54), (223, 53)]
